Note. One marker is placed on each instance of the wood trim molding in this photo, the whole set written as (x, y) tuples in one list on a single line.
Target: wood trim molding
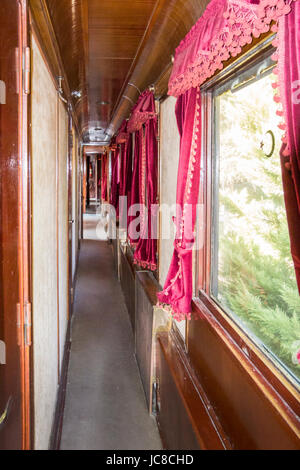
[(24, 242), (56, 433)]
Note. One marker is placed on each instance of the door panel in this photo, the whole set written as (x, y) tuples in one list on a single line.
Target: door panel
[(12, 363)]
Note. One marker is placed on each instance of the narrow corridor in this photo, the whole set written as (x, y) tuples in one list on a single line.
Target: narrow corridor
[(175, 125), (105, 404)]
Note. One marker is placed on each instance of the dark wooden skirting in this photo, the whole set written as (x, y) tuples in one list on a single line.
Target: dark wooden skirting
[(146, 289), (185, 417), (114, 244), (61, 396), (55, 437), (127, 279)]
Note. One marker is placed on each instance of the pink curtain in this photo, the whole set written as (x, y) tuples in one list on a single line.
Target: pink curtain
[(289, 89), (123, 134), (143, 122), (146, 250), (178, 288), (115, 186), (104, 177), (123, 170), (125, 176), (142, 111), (135, 188)]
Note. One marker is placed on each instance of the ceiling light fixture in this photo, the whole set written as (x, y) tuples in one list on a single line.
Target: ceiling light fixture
[(77, 94), (103, 103)]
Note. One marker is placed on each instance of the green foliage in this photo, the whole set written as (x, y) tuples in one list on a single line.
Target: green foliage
[(256, 279)]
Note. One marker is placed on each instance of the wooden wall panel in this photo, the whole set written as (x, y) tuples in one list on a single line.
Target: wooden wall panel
[(127, 278), (185, 416), (115, 250), (146, 288), (243, 400), (175, 427)]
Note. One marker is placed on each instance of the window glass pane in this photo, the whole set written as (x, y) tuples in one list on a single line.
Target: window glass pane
[(253, 276), (169, 159)]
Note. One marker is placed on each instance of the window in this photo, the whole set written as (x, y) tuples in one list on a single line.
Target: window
[(169, 160), (251, 271)]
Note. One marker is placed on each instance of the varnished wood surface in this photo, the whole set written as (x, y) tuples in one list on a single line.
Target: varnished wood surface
[(104, 45), (14, 244), (171, 21), (127, 279), (253, 414), (150, 285), (144, 333), (185, 417), (98, 42), (10, 374)]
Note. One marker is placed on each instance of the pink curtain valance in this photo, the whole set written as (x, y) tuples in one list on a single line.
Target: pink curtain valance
[(123, 134), (142, 111), (221, 32)]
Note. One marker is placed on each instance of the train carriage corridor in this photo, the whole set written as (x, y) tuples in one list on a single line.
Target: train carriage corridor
[(150, 227), (105, 401)]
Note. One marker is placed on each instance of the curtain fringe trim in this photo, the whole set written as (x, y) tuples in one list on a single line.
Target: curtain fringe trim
[(145, 264), (244, 21)]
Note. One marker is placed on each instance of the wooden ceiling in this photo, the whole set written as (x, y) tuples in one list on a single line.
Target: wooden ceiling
[(104, 44)]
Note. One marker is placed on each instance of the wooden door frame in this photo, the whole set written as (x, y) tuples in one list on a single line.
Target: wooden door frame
[(24, 217)]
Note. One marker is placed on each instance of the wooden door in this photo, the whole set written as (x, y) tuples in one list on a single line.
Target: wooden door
[(15, 323)]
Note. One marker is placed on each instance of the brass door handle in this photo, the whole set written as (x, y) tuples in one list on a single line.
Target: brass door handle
[(6, 412)]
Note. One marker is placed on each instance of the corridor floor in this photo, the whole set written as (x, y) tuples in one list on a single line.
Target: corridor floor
[(105, 404)]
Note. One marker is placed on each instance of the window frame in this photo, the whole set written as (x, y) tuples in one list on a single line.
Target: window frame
[(271, 372)]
